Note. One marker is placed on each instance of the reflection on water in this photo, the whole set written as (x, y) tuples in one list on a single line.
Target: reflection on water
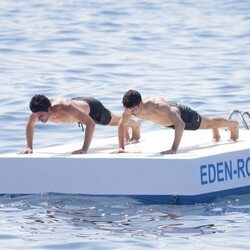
[(116, 221)]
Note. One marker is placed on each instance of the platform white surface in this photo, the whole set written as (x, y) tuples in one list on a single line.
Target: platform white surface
[(201, 167)]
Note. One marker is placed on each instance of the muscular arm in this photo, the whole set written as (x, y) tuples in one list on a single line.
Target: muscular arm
[(81, 116), (175, 120), (30, 129), (179, 128), (124, 122)]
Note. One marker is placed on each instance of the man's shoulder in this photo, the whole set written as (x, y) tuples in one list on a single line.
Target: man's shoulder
[(149, 101), (155, 102), (61, 104)]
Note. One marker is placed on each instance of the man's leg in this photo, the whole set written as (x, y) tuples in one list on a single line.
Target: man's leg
[(216, 134), (135, 126), (220, 122)]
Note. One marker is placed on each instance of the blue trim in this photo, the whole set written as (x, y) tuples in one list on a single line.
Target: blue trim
[(191, 199), (168, 199)]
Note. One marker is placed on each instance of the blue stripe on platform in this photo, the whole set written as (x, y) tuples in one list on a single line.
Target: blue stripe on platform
[(175, 199), (191, 199)]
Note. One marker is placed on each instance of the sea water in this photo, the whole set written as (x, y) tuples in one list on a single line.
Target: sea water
[(192, 52)]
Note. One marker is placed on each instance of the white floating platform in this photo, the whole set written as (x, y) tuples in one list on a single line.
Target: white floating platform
[(200, 171)]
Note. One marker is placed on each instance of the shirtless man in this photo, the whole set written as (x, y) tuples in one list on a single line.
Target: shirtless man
[(179, 117), (88, 111)]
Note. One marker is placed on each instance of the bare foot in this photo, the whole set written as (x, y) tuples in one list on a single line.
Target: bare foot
[(216, 134), (234, 131), (136, 132)]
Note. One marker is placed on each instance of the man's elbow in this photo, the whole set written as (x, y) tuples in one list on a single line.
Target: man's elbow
[(91, 124), (121, 126), (30, 127), (181, 125)]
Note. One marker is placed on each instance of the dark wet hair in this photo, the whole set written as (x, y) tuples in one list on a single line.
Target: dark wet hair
[(131, 99), (39, 103)]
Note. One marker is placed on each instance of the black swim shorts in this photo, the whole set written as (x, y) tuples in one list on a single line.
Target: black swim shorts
[(99, 113), (191, 118)]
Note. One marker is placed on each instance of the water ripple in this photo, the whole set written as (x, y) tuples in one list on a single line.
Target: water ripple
[(192, 52)]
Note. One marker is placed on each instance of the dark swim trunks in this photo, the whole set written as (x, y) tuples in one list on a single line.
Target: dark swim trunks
[(191, 118), (98, 112)]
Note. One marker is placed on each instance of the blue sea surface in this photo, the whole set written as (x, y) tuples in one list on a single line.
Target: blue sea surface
[(193, 52)]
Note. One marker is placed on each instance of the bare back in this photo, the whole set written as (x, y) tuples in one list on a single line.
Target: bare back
[(61, 110), (158, 111)]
